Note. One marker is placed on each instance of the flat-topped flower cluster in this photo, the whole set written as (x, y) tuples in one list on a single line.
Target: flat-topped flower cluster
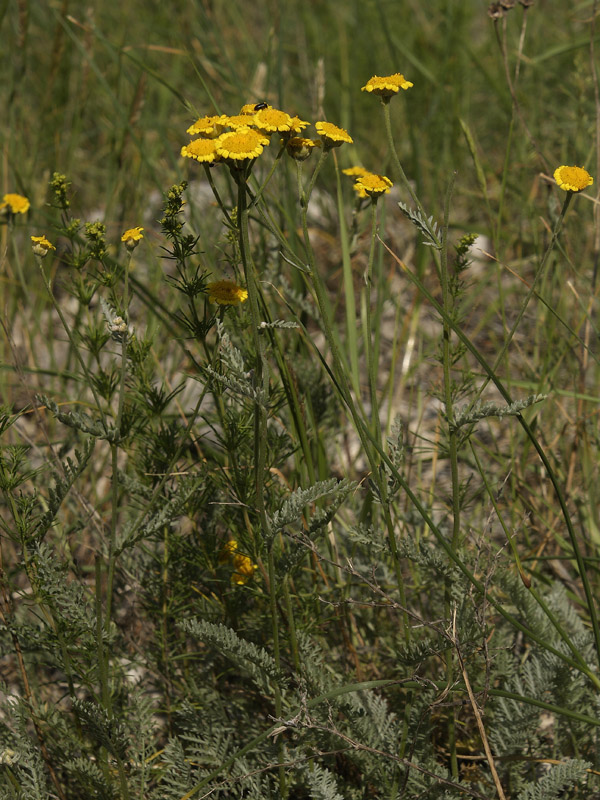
[(242, 137)]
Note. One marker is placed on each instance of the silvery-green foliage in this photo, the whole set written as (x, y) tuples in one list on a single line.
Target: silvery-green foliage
[(22, 755), (74, 619), (321, 783), (104, 730), (70, 471), (89, 778), (559, 777), (292, 509), (233, 374), (84, 423), (428, 226), (176, 773), (470, 414), (253, 660)]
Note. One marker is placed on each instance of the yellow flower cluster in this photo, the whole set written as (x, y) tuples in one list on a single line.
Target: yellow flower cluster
[(243, 568), (240, 138)]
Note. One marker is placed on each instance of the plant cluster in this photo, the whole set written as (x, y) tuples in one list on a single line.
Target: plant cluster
[(231, 565)]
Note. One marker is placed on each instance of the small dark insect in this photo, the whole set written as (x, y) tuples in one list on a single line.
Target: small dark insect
[(258, 106)]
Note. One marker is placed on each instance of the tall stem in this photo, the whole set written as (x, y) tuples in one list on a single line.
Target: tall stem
[(368, 332), (341, 379), (447, 304), (396, 160), (260, 435)]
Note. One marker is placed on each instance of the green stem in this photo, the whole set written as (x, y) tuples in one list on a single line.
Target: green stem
[(532, 290), (448, 304), (17, 258), (72, 341), (340, 375), (260, 438), (398, 165), (114, 448), (368, 332)]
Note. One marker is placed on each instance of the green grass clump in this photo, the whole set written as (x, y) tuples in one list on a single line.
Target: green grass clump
[(299, 430)]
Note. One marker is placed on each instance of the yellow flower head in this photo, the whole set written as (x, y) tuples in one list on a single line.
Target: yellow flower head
[(241, 145), (300, 148), (298, 125), (228, 550), (269, 120), (237, 121), (208, 126), (572, 179), (14, 204), (132, 237), (203, 150), (331, 135), (41, 246), (244, 569), (226, 293), (252, 108), (386, 86), (373, 185), (356, 172)]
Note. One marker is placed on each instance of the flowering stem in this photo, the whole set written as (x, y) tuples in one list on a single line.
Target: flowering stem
[(258, 195), (215, 192), (536, 280), (398, 165), (311, 185), (260, 435), (72, 341), (367, 332), (340, 375), (350, 303), (17, 257), (114, 448)]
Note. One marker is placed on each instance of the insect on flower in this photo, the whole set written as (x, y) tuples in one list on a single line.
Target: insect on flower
[(259, 106)]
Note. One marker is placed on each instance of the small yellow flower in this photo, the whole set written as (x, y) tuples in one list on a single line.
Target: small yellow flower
[(386, 86), (243, 569), (211, 126), (373, 185), (132, 237), (298, 125), (228, 550), (41, 246), (269, 120), (226, 293), (203, 150), (299, 148), (238, 121), (572, 179), (14, 204), (241, 145), (356, 172), (331, 135), (248, 109)]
